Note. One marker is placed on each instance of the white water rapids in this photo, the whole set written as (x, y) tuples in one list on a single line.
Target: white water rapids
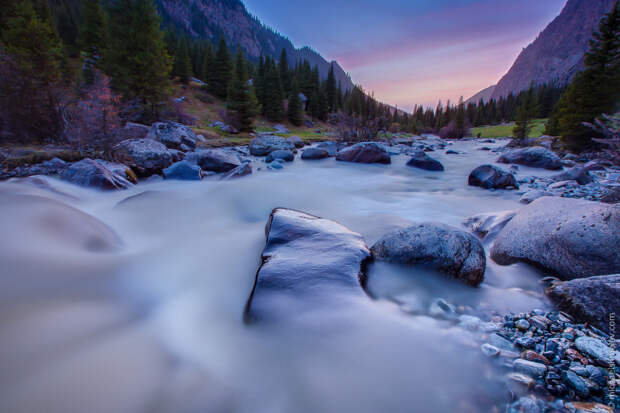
[(115, 305)]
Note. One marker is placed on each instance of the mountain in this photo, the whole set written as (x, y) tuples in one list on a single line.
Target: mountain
[(558, 52), (484, 94), (211, 19)]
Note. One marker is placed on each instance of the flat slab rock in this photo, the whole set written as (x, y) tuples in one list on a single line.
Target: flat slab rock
[(309, 263), (365, 152), (572, 238)]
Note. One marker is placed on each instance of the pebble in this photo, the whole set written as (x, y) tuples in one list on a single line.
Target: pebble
[(489, 350), (596, 349), (576, 383), (522, 325)]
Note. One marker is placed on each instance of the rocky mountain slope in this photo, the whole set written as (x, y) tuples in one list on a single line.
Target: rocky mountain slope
[(229, 18), (558, 52), (484, 94)]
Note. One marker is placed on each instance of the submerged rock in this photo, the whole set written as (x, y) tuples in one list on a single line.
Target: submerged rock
[(331, 147), (441, 247), (240, 171), (536, 157), (365, 152), (145, 156), (579, 174), (531, 196), (265, 144), (489, 224), (572, 238), (492, 177), (314, 153), (90, 173), (215, 160), (590, 299), (308, 263), (173, 135), (284, 154), (183, 171), (421, 160), (52, 167)]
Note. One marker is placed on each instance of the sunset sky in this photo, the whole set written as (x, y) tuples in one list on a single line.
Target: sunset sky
[(414, 51)]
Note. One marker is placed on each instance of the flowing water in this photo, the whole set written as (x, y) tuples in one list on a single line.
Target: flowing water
[(132, 301)]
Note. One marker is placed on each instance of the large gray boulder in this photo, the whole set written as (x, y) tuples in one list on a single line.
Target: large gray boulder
[(578, 173), (297, 141), (365, 152), (590, 299), (215, 160), (572, 238), (52, 167), (90, 173), (492, 177), (422, 161), (173, 135), (331, 147), (240, 171), (441, 247), (314, 153), (119, 169), (144, 156), (283, 154), (488, 225), (135, 131), (536, 157), (183, 171), (265, 144), (308, 264)]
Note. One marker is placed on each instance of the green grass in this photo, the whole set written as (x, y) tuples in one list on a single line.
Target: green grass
[(504, 130)]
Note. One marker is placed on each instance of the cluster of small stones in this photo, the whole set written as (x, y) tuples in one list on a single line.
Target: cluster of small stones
[(593, 191), (549, 363)]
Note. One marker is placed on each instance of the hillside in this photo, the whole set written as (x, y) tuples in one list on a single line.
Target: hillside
[(558, 52), (484, 94), (212, 19)]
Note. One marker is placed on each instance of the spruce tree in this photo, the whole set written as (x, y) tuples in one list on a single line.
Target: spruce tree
[(136, 57), (182, 67), (595, 90), (295, 111), (208, 63), (526, 112), (285, 75), (93, 29), (330, 89), (241, 103), (273, 94), (222, 71), (460, 119)]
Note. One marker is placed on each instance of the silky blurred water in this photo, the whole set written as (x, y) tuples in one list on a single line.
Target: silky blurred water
[(132, 301)]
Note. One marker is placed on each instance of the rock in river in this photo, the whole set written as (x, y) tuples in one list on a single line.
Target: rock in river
[(536, 157), (265, 144), (173, 135), (215, 160), (284, 154), (314, 153), (489, 224), (492, 177), (308, 263), (240, 171), (183, 171), (93, 174), (145, 156), (572, 238), (578, 173), (444, 248), (590, 299), (421, 160), (364, 152)]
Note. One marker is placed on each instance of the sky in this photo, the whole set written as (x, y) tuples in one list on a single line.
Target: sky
[(413, 51)]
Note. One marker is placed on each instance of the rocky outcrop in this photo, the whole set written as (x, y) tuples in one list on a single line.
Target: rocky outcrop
[(422, 161), (578, 173), (441, 247), (173, 135), (490, 224), (144, 156), (535, 157), (283, 154), (314, 153), (183, 171), (240, 171), (572, 238), (365, 152), (492, 177), (90, 173), (215, 160), (309, 264), (265, 144), (590, 299)]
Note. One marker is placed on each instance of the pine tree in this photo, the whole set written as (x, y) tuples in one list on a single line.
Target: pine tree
[(93, 34), (323, 106), (295, 111), (182, 66), (222, 71), (595, 90), (208, 64), (460, 119), (330, 89), (526, 112), (285, 75), (136, 57), (273, 97), (241, 103)]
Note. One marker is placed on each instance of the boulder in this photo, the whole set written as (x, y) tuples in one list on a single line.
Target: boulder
[(52, 167), (215, 160), (297, 141), (531, 196), (240, 171), (135, 131), (283, 154), (265, 144), (314, 153), (611, 195), (441, 247), (90, 173), (183, 171), (331, 147), (489, 224), (308, 264), (365, 152), (572, 238), (492, 177), (590, 299), (173, 135), (536, 157), (578, 173), (144, 156), (119, 169), (422, 161)]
